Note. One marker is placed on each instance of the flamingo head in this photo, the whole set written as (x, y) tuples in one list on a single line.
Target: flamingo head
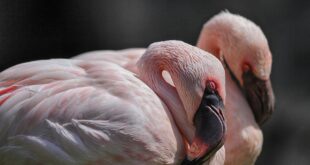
[(210, 127), (251, 69), (202, 92), (198, 80), (243, 48)]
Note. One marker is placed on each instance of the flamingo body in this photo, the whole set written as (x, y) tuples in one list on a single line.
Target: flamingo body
[(126, 58), (78, 111), (58, 105)]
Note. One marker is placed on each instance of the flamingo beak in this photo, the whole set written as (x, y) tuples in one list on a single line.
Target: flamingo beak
[(260, 96), (210, 130)]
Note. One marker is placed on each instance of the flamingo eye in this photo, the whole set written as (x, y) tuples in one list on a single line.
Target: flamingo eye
[(211, 95), (211, 85), (246, 68)]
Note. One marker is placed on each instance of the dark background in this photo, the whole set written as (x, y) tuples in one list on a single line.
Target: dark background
[(31, 30)]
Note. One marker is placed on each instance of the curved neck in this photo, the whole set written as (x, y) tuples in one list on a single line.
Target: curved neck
[(209, 41), (150, 66), (216, 37)]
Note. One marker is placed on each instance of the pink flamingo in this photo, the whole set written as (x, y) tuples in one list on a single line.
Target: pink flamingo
[(243, 49), (70, 111), (242, 46)]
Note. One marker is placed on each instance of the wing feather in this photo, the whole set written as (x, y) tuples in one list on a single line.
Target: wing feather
[(78, 111)]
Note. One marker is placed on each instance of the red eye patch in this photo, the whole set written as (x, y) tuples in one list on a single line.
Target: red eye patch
[(211, 85), (246, 67)]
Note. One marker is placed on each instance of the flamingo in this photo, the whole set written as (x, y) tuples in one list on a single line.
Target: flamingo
[(243, 49), (71, 111)]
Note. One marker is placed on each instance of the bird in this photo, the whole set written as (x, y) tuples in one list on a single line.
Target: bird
[(73, 111), (240, 40), (244, 52)]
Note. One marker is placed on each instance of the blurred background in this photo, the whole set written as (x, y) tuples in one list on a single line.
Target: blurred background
[(36, 29)]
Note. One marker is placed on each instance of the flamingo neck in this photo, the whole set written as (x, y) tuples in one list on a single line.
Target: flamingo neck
[(150, 68), (209, 41)]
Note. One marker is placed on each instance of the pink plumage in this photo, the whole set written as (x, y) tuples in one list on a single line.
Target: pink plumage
[(77, 111)]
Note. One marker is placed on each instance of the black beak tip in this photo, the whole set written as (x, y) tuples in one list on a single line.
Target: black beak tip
[(262, 118), (260, 96)]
